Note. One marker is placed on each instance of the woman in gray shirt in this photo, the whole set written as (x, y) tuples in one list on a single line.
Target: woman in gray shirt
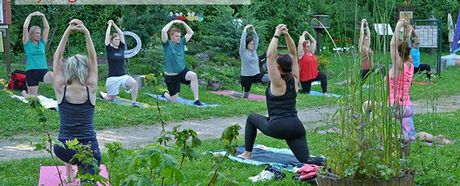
[(250, 72)]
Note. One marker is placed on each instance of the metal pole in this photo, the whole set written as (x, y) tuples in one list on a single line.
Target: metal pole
[(438, 56), (318, 42)]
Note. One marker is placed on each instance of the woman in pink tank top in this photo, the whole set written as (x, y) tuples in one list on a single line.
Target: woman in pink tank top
[(365, 49), (400, 80)]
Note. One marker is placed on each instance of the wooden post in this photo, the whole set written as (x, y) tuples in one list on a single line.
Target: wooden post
[(6, 10), (7, 51)]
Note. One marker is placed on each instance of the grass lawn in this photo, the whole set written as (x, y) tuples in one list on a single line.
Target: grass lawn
[(109, 115), (436, 165)]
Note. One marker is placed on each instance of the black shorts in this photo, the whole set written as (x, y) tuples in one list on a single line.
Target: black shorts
[(365, 73), (34, 76), (247, 81), (173, 82)]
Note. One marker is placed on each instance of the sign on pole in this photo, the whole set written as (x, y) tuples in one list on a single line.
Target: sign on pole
[(428, 35)]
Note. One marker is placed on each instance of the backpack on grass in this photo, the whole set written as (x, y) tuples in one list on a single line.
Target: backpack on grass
[(18, 80)]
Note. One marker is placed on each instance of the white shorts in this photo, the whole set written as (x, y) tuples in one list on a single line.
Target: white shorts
[(113, 84)]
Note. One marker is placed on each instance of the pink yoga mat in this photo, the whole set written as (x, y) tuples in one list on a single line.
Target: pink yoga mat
[(235, 94), (49, 176)]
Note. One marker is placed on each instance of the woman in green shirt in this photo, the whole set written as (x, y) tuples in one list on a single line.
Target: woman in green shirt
[(34, 42)]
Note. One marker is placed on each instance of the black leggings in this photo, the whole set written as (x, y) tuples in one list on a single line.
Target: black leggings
[(423, 67), (247, 81), (306, 85), (289, 128), (66, 154)]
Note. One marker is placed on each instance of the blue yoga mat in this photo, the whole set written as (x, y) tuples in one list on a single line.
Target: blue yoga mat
[(180, 100), (316, 93), (262, 155)]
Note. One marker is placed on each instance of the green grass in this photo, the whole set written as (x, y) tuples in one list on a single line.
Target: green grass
[(109, 115), (436, 165)]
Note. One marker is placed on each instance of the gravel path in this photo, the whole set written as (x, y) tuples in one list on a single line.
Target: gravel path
[(18, 147)]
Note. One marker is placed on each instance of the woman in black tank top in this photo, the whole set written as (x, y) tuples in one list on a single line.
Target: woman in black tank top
[(75, 85), (282, 121)]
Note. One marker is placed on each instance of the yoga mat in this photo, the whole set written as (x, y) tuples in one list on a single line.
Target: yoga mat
[(262, 155), (124, 101), (235, 94), (316, 93), (48, 103), (50, 177), (180, 100)]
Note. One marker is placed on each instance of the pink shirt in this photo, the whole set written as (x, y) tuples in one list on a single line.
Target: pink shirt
[(365, 65), (400, 86)]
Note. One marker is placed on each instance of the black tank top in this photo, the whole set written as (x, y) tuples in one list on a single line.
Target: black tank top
[(285, 105), (76, 119)]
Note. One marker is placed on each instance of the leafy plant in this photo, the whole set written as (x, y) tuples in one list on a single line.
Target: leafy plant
[(85, 156), (150, 165), (46, 142), (228, 139), (182, 138)]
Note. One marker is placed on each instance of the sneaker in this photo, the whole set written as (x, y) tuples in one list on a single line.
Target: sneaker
[(136, 104), (163, 94), (198, 103), (264, 175), (102, 94), (277, 171)]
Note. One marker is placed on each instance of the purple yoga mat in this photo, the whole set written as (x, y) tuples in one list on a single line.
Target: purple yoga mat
[(235, 94), (49, 176)]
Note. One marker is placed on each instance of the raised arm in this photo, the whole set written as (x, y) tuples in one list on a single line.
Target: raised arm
[(25, 28), (300, 48), (255, 37), (57, 59), (92, 58), (395, 57), (107, 33), (368, 33), (272, 53), (46, 27), (414, 34), (312, 43), (119, 32), (361, 37), (293, 53), (164, 31), (188, 30), (243, 40)]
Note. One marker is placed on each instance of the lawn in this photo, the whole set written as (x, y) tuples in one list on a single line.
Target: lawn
[(109, 115), (435, 165)]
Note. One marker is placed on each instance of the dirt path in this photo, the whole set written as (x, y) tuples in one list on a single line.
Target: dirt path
[(18, 147)]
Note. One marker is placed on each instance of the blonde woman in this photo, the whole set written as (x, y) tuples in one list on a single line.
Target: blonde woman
[(365, 49), (75, 86)]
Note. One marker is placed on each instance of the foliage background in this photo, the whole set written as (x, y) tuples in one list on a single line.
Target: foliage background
[(218, 33)]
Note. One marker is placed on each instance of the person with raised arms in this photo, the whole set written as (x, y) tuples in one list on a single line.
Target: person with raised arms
[(367, 54), (282, 121), (34, 42), (75, 87), (175, 71), (308, 64), (115, 45), (250, 72)]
